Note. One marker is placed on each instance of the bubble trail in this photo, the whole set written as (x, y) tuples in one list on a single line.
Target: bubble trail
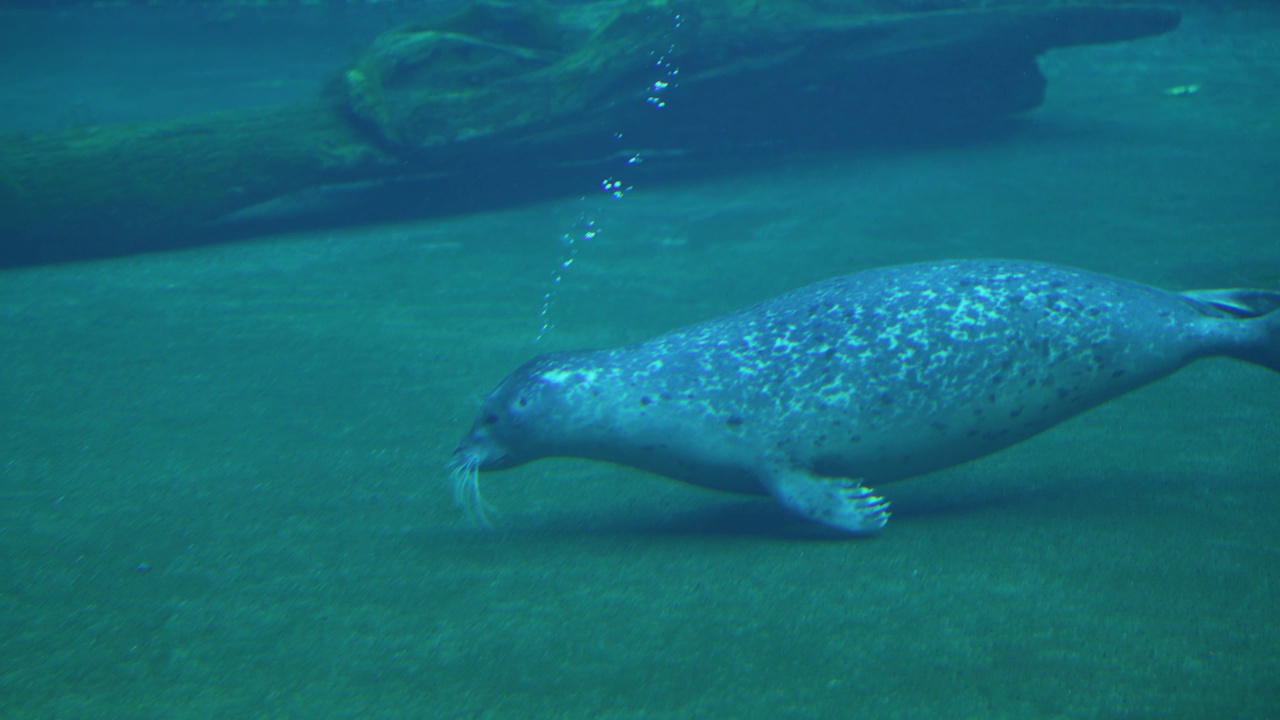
[(586, 228)]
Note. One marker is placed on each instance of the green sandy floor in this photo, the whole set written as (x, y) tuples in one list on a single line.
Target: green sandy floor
[(265, 426)]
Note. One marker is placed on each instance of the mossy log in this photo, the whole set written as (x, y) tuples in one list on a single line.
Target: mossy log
[(549, 85), (117, 189)]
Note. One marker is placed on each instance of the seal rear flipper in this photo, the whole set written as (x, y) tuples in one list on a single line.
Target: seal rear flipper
[(1260, 309), (840, 503), (1267, 352), (1243, 303)]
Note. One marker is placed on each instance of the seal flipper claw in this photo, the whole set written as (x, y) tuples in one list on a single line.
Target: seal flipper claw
[(839, 503)]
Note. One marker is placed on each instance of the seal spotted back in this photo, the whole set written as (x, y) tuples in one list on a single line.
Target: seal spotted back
[(870, 377)]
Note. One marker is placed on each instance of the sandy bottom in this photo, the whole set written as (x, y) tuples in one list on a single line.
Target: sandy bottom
[(221, 471)]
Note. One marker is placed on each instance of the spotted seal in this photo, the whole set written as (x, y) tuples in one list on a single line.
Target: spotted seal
[(866, 378)]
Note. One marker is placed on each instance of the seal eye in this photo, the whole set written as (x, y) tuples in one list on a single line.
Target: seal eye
[(522, 401)]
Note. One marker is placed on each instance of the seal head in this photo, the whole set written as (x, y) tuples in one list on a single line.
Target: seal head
[(509, 429)]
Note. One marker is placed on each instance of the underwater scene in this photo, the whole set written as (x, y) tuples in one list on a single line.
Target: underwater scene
[(609, 359)]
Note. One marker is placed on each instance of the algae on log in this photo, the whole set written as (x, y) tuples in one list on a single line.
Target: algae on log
[(747, 69), (552, 86)]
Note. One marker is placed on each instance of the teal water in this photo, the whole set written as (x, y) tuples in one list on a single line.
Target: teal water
[(263, 429)]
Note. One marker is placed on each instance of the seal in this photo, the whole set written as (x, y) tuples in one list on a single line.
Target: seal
[(867, 378)]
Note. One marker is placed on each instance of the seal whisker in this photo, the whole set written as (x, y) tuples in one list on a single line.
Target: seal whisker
[(466, 492)]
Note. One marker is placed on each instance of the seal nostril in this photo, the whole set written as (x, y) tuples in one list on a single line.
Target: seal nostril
[(489, 419)]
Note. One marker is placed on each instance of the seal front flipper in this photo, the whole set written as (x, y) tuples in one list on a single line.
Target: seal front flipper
[(840, 503)]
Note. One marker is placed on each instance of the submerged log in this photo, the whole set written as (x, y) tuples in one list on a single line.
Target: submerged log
[(544, 86)]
